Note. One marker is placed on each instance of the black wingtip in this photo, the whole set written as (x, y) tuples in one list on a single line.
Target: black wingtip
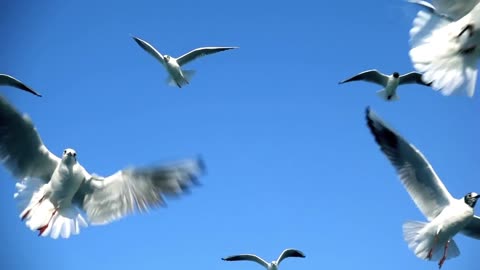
[(201, 164)]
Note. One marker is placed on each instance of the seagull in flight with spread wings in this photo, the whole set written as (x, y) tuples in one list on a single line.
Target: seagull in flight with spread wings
[(270, 266), (54, 193), (178, 76), (389, 82), (11, 81), (446, 215)]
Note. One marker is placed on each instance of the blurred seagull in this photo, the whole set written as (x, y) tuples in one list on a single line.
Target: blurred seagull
[(270, 266), (444, 43), (55, 191), (446, 215), (11, 81), (390, 83), (177, 76)]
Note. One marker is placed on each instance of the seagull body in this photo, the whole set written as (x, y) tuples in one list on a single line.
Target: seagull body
[(11, 81), (446, 215), (270, 266), (54, 193), (444, 43), (389, 82), (178, 76)]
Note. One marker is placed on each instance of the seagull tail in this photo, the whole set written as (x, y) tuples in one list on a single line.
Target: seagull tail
[(384, 95), (441, 52), (421, 241), (40, 214), (187, 74)]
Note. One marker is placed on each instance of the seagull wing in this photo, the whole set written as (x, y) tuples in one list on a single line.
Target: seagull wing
[(247, 257), (473, 228), (454, 9), (11, 81), (412, 77), (414, 170), (290, 253), (150, 49), (21, 149), (372, 75), (199, 52), (107, 199)]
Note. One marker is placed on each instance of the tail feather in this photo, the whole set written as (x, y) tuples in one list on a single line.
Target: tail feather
[(437, 53), (187, 74), (40, 214), (383, 94), (421, 242)]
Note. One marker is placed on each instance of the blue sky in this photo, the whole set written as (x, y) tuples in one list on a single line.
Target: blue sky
[(290, 160)]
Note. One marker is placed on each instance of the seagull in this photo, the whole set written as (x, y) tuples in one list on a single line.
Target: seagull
[(446, 215), (178, 76), (270, 266), (11, 81), (389, 82), (55, 194), (444, 43)]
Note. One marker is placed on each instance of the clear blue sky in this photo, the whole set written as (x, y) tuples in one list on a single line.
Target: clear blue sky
[(290, 160)]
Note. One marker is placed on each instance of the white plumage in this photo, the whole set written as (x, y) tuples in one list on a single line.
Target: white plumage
[(55, 193), (11, 81), (289, 252), (447, 216)]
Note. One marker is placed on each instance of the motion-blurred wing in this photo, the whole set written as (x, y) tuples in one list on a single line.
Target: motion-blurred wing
[(197, 53), (21, 149), (111, 198), (290, 253), (373, 76), (247, 257), (414, 170), (11, 81)]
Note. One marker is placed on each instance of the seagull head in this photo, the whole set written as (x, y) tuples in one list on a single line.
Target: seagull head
[(471, 199), (69, 155), (396, 74), (166, 57)]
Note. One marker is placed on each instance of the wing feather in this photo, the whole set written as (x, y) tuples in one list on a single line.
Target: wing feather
[(200, 52)]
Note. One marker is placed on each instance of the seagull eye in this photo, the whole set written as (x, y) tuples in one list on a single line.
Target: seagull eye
[(64, 151), (74, 154)]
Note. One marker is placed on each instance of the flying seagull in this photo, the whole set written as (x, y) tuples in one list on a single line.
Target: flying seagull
[(270, 266), (54, 193), (444, 43), (446, 215), (178, 76), (11, 81), (389, 82)]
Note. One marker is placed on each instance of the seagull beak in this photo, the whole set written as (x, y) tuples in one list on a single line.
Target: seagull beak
[(478, 196)]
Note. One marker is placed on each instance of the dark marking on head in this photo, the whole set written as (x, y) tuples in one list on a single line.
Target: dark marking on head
[(471, 199), (396, 74)]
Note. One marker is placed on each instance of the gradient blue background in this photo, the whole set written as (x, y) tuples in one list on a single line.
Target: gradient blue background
[(290, 160)]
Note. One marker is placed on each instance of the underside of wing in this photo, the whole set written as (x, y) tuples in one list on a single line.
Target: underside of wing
[(412, 77), (137, 189), (373, 76), (21, 149), (290, 253), (11, 81), (246, 257), (473, 228), (454, 9), (414, 170), (200, 52), (149, 49)]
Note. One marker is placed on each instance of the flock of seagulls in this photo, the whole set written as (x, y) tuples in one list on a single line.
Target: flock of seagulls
[(57, 196)]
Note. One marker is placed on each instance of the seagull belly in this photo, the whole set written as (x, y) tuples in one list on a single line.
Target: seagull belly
[(451, 220), (391, 87), (64, 184)]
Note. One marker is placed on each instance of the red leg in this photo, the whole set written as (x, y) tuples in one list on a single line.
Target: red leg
[(444, 257), (28, 212), (43, 228), (430, 253)]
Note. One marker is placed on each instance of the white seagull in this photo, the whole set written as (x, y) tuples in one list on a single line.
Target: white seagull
[(270, 266), (446, 215), (389, 82), (54, 192), (11, 81), (178, 76), (444, 43)]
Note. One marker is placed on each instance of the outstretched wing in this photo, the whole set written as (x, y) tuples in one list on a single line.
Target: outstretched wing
[(11, 81), (473, 228), (414, 170), (372, 75), (111, 198), (290, 253), (149, 49), (247, 257), (199, 52), (454, 9), (21, 149), (412, 77)]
